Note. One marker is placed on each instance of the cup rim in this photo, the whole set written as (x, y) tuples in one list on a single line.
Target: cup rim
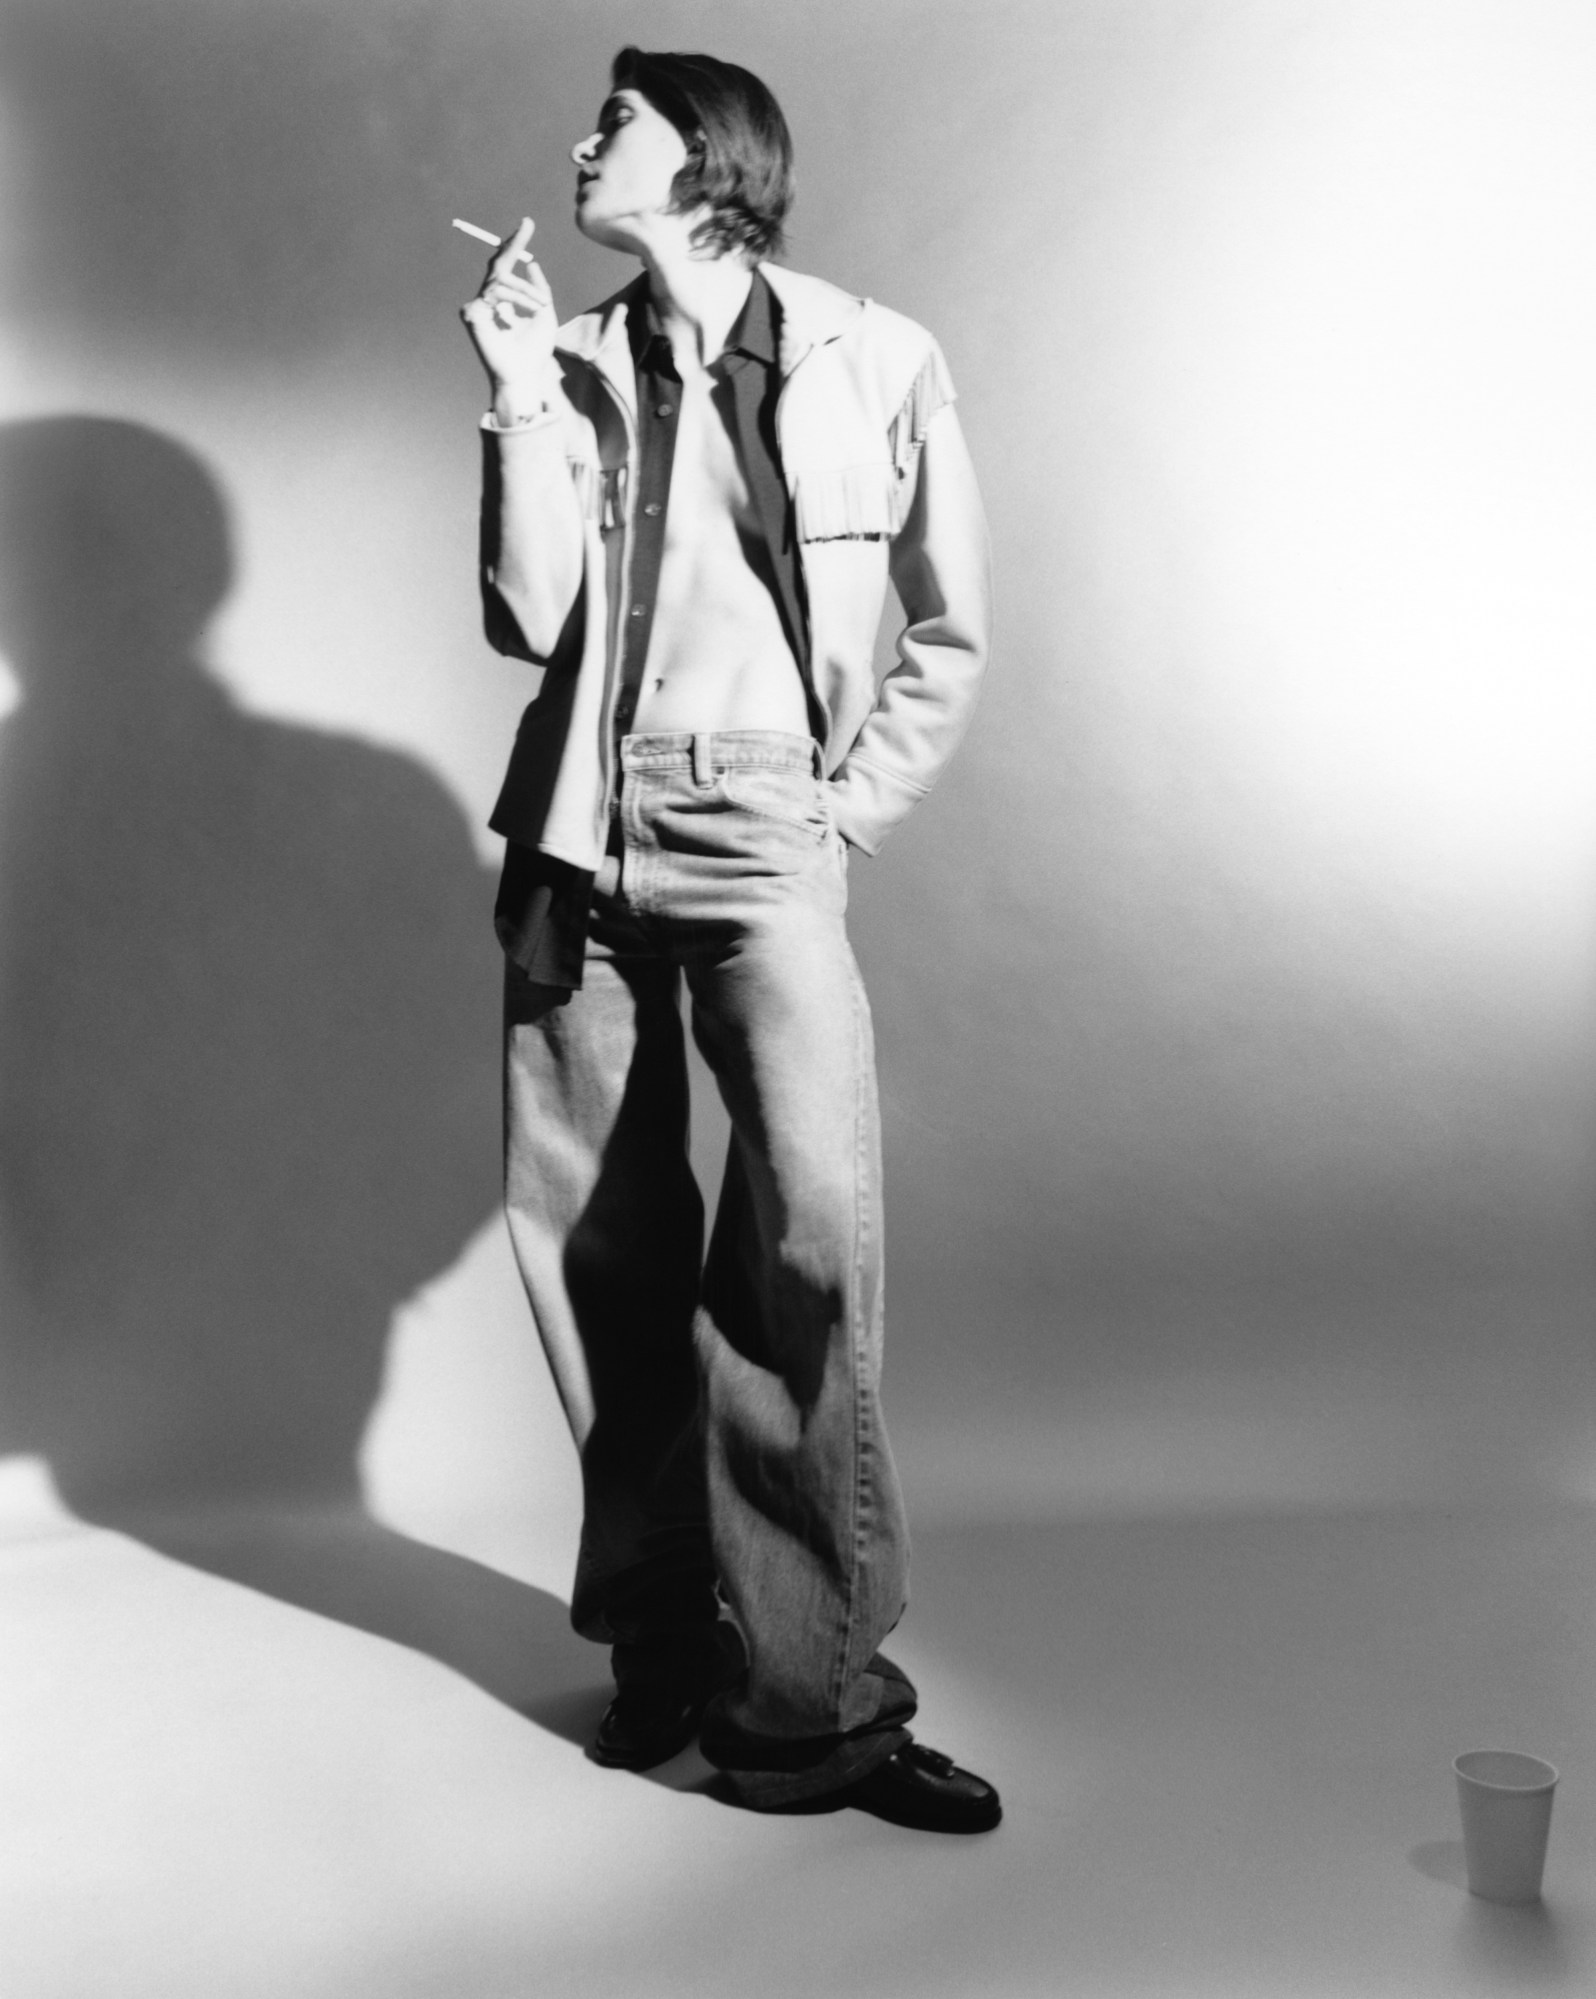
[(1531, 1784)]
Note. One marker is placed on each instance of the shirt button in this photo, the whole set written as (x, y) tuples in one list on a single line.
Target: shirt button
[(638, 611), (666, 409), (652, 508)]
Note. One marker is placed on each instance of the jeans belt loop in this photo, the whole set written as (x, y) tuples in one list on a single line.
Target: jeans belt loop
[(819, 749), (703, 761)]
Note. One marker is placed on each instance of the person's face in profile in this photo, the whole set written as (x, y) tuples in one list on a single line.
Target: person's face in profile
[(625, 171)]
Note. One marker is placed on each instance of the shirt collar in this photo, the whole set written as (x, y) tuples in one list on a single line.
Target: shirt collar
[(754, 332)]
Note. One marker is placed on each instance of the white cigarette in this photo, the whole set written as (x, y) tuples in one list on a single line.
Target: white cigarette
[(482, 235)]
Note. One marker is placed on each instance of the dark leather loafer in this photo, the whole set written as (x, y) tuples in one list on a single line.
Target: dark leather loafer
[(644, 1726), (918, 1787)]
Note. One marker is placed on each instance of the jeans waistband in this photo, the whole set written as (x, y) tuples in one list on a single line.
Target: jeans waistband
[(724, 749)]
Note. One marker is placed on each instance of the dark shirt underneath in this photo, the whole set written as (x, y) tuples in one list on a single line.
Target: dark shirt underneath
[(542, 911)]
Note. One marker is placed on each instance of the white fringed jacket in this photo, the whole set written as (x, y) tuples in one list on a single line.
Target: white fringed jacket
[(882, 485)]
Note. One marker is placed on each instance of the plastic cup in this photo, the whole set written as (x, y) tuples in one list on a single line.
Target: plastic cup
[(1506, 1801)]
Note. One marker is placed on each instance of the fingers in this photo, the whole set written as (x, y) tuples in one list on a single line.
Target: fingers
[(506, 301), (517, 250), (508, 294), (523, 298), (508, 290), (490, 311), (532, 290), (512, 319)]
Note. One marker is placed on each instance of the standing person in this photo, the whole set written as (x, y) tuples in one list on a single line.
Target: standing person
[(694, 497)]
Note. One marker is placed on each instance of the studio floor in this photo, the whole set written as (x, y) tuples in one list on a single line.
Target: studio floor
[(281, 1754)]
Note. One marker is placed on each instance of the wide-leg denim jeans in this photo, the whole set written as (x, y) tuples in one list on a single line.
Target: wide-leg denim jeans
[(726, 1407)]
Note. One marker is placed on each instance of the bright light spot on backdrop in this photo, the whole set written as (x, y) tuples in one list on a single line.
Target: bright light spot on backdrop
[(1381, 417), (1317, 293)]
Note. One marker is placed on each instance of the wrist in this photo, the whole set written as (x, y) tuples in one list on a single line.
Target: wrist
[(508, 410), (526, 398)]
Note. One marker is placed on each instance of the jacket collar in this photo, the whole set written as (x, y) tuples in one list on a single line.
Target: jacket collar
[(812, 313), (599, 337)]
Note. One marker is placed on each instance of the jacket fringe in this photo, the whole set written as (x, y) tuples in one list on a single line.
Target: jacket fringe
[(600, 491), (852, 503), (931, 390), (871, 502)]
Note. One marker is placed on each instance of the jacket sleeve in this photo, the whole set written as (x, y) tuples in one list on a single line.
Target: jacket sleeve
[(531, 542), (941, 568)]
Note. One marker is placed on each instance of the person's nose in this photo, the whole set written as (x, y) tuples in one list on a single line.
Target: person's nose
[(582, 152)]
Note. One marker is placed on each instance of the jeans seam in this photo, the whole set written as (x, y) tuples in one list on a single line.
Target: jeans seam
[(864, 1362), (860, 1475), (634, 868)]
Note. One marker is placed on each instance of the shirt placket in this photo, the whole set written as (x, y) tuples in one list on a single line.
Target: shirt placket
[(658, 412)]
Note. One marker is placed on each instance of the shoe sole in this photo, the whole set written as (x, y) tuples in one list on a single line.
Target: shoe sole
[(985, 1819), (973, 1817)]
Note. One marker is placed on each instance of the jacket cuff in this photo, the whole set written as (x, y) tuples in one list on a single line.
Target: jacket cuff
[(867, 802), (541, 421)]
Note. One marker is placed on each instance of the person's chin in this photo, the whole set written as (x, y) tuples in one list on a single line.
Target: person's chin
[(606, 234)]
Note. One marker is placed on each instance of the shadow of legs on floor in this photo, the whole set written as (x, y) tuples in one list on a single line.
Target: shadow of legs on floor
[(507, 1637)]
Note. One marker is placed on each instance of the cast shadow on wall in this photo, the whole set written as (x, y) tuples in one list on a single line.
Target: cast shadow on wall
[(248, 1083)]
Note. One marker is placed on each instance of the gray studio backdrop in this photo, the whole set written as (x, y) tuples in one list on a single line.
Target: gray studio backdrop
[(1232, 991)]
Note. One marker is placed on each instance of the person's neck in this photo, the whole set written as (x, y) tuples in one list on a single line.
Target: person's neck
[(697, 298)]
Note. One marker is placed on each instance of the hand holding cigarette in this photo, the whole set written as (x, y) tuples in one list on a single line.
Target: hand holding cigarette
[(512, 323)]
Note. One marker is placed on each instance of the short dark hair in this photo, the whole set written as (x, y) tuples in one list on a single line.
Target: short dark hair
[(739, 151)]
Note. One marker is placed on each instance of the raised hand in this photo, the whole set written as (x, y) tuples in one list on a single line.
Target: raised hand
[(512, 323)]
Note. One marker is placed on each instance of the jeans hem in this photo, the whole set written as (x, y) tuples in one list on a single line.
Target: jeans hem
[(775, 1790)]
